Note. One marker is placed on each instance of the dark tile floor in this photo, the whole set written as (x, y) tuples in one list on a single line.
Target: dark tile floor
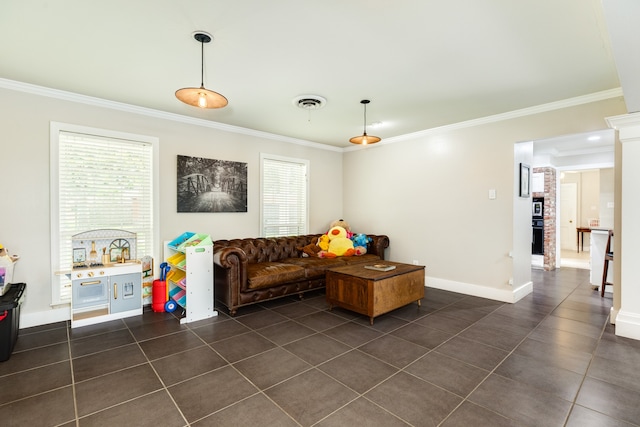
[(552, 359)]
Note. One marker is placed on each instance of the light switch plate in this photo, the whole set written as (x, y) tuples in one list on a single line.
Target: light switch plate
[(492, 194)]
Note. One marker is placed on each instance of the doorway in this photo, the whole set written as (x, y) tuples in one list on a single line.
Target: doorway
[(570, 256), (568, 219), (578, 153)]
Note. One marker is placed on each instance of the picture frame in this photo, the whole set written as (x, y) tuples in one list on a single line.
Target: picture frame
[(525, 180), (79, 255), (211, 185), (115, 254)]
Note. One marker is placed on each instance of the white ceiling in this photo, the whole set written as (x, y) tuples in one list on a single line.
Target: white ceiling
[(422, 63), (588, 150)]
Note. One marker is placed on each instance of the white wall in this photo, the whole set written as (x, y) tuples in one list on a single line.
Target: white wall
[(607, 193), (429, 192), (589, 197), (587, 203), (24, 157), (627, 228), (430, 195), (521, 246)]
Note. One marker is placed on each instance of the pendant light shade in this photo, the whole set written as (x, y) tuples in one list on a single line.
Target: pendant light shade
[(364, 139), (200, 96)]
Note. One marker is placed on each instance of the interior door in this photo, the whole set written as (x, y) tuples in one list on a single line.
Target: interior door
[(568, 216)]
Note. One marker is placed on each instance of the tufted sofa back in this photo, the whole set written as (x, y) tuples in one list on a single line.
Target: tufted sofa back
[(261, 249)]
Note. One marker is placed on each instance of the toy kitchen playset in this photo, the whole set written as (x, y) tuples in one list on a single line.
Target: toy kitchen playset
[(106, 277)]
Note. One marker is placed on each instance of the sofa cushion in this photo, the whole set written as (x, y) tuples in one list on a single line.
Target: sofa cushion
[(265, 274), (314, 267)]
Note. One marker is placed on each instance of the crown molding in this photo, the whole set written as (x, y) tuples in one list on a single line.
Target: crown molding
[(542, 108), (627, 125), (119, 106), (149, 112)]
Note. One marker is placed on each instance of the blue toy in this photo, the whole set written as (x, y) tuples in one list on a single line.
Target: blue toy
[(170, 306), (361, 240)]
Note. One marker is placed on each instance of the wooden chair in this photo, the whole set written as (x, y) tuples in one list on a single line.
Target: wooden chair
[(608, 257)]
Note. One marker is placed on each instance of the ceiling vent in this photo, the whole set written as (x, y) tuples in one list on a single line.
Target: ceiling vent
[(309, 102)]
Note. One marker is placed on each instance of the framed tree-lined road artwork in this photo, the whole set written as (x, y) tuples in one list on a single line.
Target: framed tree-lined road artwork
[(209, 185)]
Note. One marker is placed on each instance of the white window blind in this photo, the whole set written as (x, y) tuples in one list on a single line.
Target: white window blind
[(284, 196), (101, 182)]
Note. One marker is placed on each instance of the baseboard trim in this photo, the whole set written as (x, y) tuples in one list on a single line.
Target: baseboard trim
[(510, 295), (27, 320), (613, 313), (628, 325)]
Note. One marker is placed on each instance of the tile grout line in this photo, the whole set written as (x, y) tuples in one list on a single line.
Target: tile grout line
[(148, 361), (574, 296), (259, 391), (164, 386), (316, 367), (465, 399), (586, 372), (73, 380)]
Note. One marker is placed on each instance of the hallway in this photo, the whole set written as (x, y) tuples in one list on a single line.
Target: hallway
[(573, 259)]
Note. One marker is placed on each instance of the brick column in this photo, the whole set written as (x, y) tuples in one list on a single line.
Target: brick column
[(549, 215)]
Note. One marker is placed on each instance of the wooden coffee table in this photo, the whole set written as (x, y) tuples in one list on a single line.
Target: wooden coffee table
[(372, 292)]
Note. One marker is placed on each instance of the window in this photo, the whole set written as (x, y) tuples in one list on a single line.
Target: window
[(99, 179), (285, 186)]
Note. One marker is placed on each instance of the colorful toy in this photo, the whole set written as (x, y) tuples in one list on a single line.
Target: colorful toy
[(4, 253), (361, 239), (6, 268), (323, 242), (360, 250), (310, 250), (344, 224), (339, 243), (160, 292)]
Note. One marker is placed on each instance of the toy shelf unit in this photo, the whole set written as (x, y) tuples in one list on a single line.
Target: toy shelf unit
[(106, 279), (190, 279)]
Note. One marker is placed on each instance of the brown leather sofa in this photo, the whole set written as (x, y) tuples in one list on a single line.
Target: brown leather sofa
[(251, 270)]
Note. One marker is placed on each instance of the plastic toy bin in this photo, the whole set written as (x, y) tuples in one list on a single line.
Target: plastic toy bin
[(178, 260), (10, 318), (180, 240)]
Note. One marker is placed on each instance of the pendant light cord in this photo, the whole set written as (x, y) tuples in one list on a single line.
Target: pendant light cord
[(201, 63), (365, 119)]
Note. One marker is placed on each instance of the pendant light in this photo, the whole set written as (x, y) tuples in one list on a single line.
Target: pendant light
[(200, 96), (364, 139)]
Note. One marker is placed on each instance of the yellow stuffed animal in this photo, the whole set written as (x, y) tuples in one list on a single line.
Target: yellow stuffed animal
[(339, 243), (323, 242)]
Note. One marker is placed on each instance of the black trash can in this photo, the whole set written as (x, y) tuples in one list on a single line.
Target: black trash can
[(10, 318)]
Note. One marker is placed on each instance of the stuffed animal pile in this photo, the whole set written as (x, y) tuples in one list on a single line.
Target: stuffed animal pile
[(339, 244), (338, 241)]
